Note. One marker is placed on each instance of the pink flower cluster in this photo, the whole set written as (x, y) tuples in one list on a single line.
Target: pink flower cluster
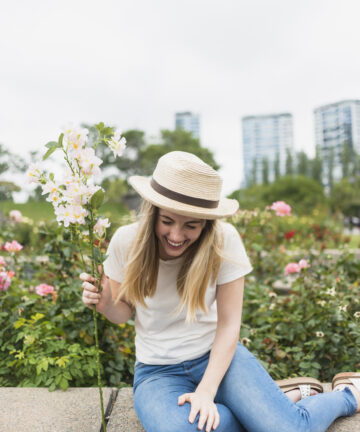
[(5, 280), (281, 208), (13, 246), (44, 289), (296, 267)]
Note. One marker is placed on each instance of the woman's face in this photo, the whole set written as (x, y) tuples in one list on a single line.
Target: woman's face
[(176, 233)]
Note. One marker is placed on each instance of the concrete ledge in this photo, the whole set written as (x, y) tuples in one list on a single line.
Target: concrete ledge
[(123, 417), (37, 409), (78, 410)]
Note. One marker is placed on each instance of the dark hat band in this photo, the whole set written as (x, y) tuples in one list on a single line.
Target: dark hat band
[(185, 199)]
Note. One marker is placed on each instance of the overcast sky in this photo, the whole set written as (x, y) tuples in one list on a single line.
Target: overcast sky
[(135, 63)]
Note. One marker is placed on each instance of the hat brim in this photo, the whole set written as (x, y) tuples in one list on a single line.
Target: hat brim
[(226, 207)]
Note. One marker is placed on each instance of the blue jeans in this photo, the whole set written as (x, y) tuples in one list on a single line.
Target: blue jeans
[(247, 399)]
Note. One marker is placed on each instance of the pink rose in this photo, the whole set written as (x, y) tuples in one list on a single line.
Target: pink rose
[(5, 281), (15, 216), (2, 262), (13, 246), (281, 208), (44, 289), (292, 268), (303, 264)]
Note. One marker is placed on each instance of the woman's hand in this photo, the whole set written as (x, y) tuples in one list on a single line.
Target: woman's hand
[(201, 403), (91, 295)]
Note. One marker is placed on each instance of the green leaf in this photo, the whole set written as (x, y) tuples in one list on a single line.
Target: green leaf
[(64, 383), (19, 323), (67, 375), (52, 144), (97, 199), (51, 150), (60, 140), (100, 126)]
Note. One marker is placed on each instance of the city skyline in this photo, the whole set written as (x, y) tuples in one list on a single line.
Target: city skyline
[(131, 65)]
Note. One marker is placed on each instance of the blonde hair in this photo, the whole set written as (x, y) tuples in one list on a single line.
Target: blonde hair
[(201, 263)]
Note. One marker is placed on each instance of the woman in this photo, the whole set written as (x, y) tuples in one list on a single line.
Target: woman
[(183, 270)]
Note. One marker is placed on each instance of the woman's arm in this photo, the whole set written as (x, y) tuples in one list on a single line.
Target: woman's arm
[(117, 313), (229, 299)]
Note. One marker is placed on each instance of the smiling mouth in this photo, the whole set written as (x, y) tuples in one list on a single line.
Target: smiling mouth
[(173, 245)]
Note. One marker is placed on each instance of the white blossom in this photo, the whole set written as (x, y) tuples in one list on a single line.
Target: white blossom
[(33, 174), (75, 138), (117, 143), (100, 226), (331, 292), (88, 161)]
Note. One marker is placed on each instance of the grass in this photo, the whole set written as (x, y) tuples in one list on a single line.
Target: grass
[(44, 211), (355, 241)]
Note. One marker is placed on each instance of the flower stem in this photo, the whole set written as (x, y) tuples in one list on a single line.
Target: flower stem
[(93, 271)]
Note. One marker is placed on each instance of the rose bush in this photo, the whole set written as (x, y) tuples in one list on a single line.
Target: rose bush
[(314, 329), (311, 330)]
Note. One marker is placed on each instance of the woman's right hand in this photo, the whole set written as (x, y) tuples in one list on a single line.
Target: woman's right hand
[(91, 295)]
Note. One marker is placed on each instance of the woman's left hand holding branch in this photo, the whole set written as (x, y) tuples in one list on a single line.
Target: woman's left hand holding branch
[(202, 403)]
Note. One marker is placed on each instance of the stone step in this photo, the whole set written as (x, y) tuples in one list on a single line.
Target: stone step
[(78, 410)]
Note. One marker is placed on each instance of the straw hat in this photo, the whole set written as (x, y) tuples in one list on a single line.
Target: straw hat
[(184, 184)]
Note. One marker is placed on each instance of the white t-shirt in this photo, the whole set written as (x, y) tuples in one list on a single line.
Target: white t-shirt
[(161, 338)]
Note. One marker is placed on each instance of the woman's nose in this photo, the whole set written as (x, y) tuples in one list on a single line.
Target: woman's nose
[(175, 234)]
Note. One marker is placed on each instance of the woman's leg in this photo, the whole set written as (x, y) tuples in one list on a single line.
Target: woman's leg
[(260, 406), (156, 392)]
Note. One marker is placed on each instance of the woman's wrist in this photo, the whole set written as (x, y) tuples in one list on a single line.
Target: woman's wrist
[(210, 390)]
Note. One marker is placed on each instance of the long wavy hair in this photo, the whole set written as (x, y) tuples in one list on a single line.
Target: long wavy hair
[(201, 264)]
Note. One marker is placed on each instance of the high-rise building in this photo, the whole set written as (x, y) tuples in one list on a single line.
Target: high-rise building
[(266, 139), (189, 122), (335, 125)]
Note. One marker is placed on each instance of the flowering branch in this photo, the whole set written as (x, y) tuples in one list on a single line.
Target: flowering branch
[(77, 198)]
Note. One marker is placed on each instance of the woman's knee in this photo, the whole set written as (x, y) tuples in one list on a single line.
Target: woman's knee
[(170, 417)]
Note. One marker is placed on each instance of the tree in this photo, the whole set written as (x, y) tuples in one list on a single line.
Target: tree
[(7, 189), (265, 171), (115, 188), (302, 163), (316, 165), (345, 158), (277, 166), (9, 163), (302, 193), (251, 197), (129, 163), (289, 164), (356, 165), (252, 180), (330, 167), (345, 197), (177, 139)]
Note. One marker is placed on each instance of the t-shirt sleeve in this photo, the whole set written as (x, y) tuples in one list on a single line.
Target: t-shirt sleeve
[(235, 263), (114, 264)]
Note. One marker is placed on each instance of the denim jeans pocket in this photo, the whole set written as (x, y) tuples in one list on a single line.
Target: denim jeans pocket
[(138, 365)]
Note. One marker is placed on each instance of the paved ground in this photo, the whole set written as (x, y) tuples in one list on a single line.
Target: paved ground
[(77, 410)]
